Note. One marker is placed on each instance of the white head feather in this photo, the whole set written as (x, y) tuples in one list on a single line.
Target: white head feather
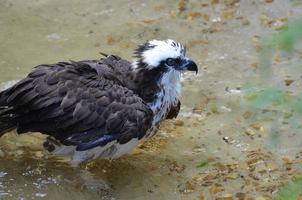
[(161, 50)]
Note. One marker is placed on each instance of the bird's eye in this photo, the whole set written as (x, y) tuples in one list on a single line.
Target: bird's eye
[(170, 62)]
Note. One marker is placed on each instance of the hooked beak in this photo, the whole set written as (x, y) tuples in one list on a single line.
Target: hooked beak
[(189, 65)]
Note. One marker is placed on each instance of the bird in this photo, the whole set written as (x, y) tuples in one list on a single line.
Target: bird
[(99, 108)]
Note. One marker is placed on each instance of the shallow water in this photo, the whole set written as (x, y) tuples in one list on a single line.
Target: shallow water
[(226, 143)]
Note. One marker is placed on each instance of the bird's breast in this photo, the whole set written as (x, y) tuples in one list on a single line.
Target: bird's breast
[(162, 105)]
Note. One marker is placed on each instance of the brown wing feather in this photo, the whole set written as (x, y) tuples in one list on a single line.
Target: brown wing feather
[(174, 110), (77, 102)]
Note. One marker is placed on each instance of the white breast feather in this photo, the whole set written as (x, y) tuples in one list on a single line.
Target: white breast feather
[(168, 96)]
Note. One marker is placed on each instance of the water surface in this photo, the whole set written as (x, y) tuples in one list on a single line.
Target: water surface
[(224, 144)]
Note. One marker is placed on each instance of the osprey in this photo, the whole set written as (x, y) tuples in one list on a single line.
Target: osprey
[(98, 108)]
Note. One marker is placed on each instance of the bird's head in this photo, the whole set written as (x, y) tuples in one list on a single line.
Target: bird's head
[(164, 56), (158, 66)]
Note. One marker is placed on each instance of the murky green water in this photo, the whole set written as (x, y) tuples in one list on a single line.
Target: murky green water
[(225, 145)]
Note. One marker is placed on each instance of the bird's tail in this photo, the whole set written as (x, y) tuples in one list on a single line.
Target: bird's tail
[(7, 120)]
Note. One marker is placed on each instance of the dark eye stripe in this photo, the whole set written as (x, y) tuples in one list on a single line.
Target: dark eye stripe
[(170, 61), (178, 60)]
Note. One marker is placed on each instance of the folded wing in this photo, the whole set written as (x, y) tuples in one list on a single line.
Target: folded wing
[(72, 102)]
